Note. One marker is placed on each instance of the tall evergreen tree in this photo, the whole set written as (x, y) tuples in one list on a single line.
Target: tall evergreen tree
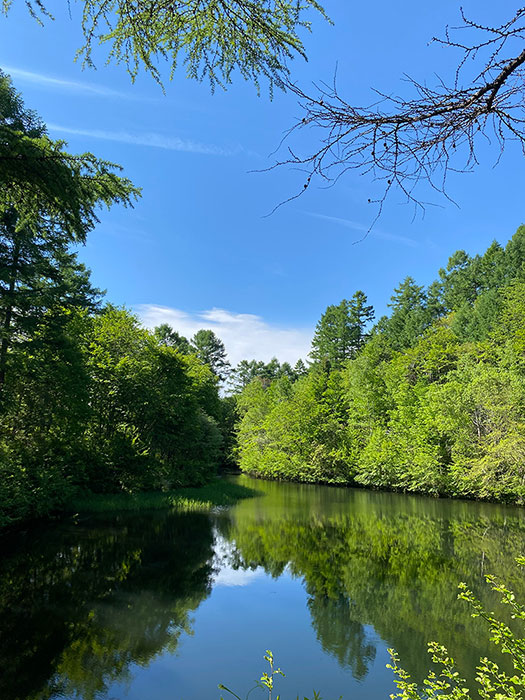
[(408, 319), (210, 350), (341, 331), (46, 204), (167, 336), (300, 369), (515, 255), (462, 280), (361, 314)]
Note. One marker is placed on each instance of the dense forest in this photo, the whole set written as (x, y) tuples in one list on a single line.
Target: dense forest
[(430, 399), (103, 421), (89, 400)]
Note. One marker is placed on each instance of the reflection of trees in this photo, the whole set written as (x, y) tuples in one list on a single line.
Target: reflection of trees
[(78, 605), (340, 635), (390, 562)]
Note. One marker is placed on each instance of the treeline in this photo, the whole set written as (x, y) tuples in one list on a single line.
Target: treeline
[(89, 400), (431, 399)]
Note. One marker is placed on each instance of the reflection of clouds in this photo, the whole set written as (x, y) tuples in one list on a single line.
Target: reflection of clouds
[(226, 574), (236, 577)]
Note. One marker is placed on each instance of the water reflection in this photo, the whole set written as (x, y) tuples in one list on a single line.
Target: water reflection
[(79, 604), (385, 560), (83, 605), (341, 635)]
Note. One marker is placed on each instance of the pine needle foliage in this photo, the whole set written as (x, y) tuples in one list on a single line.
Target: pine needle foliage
[(213, 39)]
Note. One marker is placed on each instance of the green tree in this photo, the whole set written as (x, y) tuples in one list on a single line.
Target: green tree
[(153, 411), (43, 418), (408, 318), (340, 333), (461, 280), (38, 175), (300, 369), (167, 336), (210, 351), (243, 373), (247, 370), (46, 204), (212, 39), (361, 315), (515, 255)]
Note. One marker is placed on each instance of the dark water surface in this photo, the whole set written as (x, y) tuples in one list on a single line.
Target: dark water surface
[(164, 605)]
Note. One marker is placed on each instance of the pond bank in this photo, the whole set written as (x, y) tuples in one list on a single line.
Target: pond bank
[(217, 493)]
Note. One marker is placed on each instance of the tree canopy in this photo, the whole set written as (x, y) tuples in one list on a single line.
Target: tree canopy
[(89, 400), (210, 350), (213, 40), (49, 199), (38, 177), (341, 331)]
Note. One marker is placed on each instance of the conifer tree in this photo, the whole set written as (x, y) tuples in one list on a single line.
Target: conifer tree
[(167, 336), (210, 350), (341, 331), (48, 201)]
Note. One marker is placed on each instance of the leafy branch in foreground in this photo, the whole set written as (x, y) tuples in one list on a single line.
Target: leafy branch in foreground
[(265, 682), (215, 38), (402, 141), (495, 683)]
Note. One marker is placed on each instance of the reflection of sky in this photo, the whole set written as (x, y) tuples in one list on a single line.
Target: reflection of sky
[(226, 574), (231, 631), (236, 577)]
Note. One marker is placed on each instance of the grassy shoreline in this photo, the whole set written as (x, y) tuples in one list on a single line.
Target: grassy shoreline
[(218, 493)]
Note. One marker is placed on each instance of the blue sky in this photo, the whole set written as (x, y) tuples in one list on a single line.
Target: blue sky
[(199, 250)]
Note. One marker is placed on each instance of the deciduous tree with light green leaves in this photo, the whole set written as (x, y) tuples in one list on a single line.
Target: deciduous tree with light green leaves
[(433, 401)]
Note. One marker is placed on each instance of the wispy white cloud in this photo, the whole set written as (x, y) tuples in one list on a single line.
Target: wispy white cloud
[(365, 230), (49, 81), (245, 336), (149, 139)]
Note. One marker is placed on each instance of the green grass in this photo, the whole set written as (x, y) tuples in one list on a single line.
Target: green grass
[(217, 493)]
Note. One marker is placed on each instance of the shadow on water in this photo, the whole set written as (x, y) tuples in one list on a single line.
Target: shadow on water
[(81, 604)]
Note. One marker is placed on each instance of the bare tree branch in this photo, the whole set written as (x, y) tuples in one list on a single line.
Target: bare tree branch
[(402, 141)]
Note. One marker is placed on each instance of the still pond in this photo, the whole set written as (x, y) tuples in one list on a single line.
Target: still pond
[(163, 605)]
